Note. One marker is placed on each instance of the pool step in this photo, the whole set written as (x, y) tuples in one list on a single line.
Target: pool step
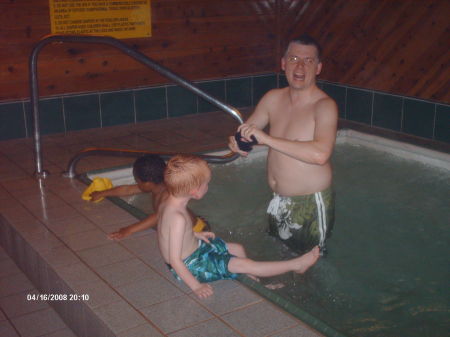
[(30, 251)]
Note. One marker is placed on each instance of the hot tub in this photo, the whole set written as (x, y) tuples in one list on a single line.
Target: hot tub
[(386, 273)]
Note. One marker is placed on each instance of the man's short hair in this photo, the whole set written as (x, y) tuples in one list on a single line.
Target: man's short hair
[(307, 40), (149, 168), (185, 173)]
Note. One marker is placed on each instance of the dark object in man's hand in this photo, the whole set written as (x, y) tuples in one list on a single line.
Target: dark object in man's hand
[(243, 145)]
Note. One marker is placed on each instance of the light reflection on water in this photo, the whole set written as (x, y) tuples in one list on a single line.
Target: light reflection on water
[(387, 269)]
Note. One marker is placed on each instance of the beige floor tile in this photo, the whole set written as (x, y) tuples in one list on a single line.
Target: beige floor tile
[(61, 333), (38, 323), (7, 330), (14, 284), (60, 256), (70, 225), (77, 274), (99, 293), (145, 330), (8, 268), (229, 296), (145, 292), (265, 318), (213, 327), (176, 314), (87, 239), (104, 255), (121, 273), (19, 304), (119, 316)]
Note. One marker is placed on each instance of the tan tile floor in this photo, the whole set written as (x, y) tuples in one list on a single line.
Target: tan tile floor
[(130, 289)]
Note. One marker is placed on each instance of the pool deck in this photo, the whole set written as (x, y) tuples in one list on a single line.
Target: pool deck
[(59, 242)]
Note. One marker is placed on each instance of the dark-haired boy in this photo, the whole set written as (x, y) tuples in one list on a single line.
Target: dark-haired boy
[(148, 172)]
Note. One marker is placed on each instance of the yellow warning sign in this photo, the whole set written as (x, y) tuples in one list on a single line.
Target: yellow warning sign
[(119, 19)]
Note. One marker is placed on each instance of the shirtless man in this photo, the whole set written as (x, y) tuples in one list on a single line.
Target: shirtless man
[(303, 123)]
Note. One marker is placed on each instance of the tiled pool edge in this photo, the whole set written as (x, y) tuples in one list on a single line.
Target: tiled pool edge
[(77, 315), (400, 149), (290, 307)]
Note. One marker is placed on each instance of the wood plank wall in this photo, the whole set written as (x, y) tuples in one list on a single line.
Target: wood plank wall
[(396, 46), (401, 47)]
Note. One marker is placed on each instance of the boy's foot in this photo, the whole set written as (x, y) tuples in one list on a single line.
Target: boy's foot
[(307, 260)]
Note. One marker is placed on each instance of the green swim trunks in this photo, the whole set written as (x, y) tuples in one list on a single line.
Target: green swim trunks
[(209, 262), (302, 222)]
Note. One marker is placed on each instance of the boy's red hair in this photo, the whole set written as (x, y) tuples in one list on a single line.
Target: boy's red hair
[(185, 173)]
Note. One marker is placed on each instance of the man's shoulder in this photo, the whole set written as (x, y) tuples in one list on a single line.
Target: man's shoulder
[(324, 101), (273, 96), (274, 93)]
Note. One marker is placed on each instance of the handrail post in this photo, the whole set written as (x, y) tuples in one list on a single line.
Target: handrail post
[(34, 86), (34, 98)]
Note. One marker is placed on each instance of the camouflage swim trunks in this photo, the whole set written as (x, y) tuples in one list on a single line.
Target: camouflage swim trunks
[(302, 222), (209, 262)]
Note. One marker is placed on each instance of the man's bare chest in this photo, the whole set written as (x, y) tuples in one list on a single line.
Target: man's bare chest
[(293, 125)]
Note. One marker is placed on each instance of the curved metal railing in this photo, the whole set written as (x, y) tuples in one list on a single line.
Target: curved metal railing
[(34, 93), (97, 151)]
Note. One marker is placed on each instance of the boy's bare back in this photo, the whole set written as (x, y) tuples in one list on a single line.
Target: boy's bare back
[(175, 226)]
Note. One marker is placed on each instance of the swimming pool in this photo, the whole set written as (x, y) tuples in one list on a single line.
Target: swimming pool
[(387, 269)]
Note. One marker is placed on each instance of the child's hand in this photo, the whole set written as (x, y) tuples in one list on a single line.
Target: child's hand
[(96, 196), (119, 235), (205, 236), (204, 290)]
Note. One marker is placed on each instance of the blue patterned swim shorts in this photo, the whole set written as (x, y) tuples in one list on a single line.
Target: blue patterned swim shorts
[(209, 262)]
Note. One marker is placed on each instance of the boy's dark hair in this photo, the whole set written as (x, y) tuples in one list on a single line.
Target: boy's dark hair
[(307, 40), (149, 168)]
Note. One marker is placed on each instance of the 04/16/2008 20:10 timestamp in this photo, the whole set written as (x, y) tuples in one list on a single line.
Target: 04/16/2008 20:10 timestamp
[(57, 297)]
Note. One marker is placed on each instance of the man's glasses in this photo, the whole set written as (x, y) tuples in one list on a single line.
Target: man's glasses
[(307, 61)]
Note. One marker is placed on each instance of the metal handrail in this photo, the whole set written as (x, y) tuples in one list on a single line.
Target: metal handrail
[(34, 90), (97, 151)]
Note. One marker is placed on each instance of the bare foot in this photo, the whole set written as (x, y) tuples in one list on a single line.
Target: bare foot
[(307, 260)]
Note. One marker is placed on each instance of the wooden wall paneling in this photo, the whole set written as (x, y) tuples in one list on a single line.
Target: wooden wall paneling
[(200, 39), (383, 45), (395, 46), (92, 71)]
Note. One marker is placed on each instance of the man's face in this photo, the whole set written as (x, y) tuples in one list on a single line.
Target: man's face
[(301, 66)]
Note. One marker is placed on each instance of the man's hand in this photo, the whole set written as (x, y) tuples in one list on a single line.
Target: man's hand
[(232, 144), (205, 236), (203, 291), (249, 130)]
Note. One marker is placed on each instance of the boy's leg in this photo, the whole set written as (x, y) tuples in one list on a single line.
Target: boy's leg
[(241, 265), (238, 250)]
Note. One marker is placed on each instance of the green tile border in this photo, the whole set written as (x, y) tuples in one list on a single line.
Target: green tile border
[(172, 101), (290, 307)]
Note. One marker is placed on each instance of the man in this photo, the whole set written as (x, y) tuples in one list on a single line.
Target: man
[(303, 122)]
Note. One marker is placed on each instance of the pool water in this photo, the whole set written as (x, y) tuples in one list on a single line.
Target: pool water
[(387, 270)]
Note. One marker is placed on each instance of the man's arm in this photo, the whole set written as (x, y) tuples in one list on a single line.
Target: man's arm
[(259, 119), (148, 222), (316, 151), (119, 191), (176, 235)]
